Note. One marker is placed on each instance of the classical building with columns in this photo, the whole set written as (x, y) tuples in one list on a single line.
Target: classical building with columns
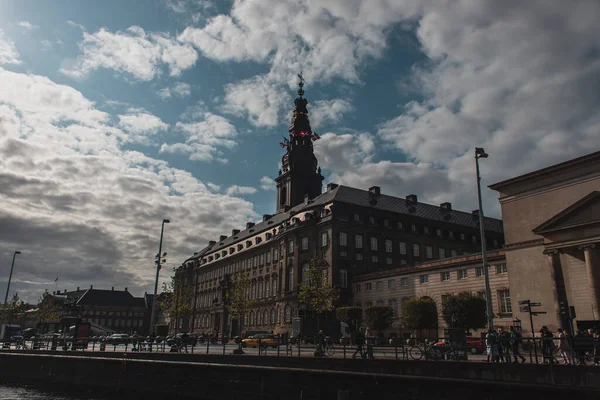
[(356, 231), (552, 233)]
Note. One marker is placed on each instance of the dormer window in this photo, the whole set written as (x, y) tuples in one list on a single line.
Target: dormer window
[(223, 253), (240, 247), (257, 240), (248, 243), (267, 236), (231, 250)]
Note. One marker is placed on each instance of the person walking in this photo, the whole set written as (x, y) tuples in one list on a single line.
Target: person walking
[(515, 342), (547, 345), (596, 344), (564, 346), (321, 343), (491, 343), (503, 345), (359, 340), (369, 338)]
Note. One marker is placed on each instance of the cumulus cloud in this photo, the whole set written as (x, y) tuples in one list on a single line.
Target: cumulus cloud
[(27, 25), (141, 125), (240, 190), (8, 51), (267, 183), (328, 111), (180, 89), (73, 199), (133, 51), (205, 138)]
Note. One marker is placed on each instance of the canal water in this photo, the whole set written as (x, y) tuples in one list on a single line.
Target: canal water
[(9, 392)]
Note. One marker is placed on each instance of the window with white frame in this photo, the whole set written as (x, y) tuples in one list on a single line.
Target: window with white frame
[(379, 285), (305, 276), (359, 256), (358, 241), (343, 239), (356, 217), (324, 239), (402, 246), (478, 271), (462, 273), (453, 253), (388, 245), (424, 279), (504, 299), (445, 276), (428, 251), (305, 243), (374, 243), (416, 250), (442, 252), (343, 278), (374, 259), (291, 246), (391, 284), (501, 269), (275, 254), (389, 260)]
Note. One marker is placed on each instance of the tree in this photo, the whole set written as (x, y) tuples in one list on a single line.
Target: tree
[(350, 315), (419, 313), (464, 311), (379, 318), (175, 300), (237, 298), (318, 292), (14, 309), (48, 308)]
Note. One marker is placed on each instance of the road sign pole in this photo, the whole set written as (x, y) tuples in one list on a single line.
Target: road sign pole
[(532, 331)]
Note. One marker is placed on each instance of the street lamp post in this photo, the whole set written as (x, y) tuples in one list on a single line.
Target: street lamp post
[(159, 257), (10, 277), (480, 153)]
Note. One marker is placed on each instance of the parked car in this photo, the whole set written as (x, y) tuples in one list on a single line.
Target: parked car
[(265, 340), (117, 338), (474, 345)]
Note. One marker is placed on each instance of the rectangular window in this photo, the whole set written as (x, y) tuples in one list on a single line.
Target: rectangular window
[(442, 253), (495, 243), (357, 287), (374, 243), (400, 225), (386, 223), (374, 259), (358, 241), (356, 217), (501, 269), (261, 260), (478, 271), (424, 279), (389, 261), (393, 304), (388, 245), (324, 239), (379, 285), (290, 278), (461, 273), (291, 247), (453, 253), (379, 303), (450, 235), (504, 299), (372, 220), (428, 251), (416, 250), (304, 243), (438, 232), (368, 286), (402, 248), (275, 254), (445, 276), (462, 236), (413, 228), (305, 276), (343, 254), (403, 282), (267, 257), (402, 262), (391, 284), (426, 230), (343, 239), (359, 256), (343, 278), (474, 239)]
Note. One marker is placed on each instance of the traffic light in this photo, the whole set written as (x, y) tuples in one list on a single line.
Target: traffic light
[(563, 308)]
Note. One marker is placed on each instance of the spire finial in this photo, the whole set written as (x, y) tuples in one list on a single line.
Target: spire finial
[(301, 85)]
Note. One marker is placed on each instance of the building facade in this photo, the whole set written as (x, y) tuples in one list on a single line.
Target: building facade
[(355, 231), (552, 229)]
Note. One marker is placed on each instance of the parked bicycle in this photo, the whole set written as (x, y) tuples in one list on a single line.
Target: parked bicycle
[(429, 351), (328, 346)]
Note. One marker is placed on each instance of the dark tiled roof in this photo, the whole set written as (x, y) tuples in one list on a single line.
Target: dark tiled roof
[(110, 298), (358, 197)]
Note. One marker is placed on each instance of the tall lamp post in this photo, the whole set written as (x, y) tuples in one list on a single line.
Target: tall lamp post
[(10, 277), (480, 153), (159, 257)]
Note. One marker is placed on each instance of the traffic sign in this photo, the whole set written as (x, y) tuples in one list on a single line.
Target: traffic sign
[(538, 312), (524, 302), (535, 304), (524, 308)]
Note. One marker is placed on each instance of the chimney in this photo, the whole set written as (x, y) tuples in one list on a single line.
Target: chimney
[(222, 237), (267, 217), (375, 191), (65, 290), (91, 286), (331, 186), (475, 215), (78, 288), (411, 198), (212, 243), (306, 198), (235, 232), (113, 289), (249, 225), (446, 206)]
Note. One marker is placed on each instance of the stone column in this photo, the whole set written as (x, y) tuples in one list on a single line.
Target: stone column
[(592, 266)]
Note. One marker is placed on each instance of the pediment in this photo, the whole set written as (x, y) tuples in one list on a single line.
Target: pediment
[(583, 212)]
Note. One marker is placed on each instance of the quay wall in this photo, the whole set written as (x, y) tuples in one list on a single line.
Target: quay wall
[(181, 376)]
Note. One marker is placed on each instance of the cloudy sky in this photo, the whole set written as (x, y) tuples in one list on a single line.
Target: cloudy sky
[(116, 114)]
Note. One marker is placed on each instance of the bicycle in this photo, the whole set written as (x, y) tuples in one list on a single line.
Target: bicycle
[(428, 351), (329, 347)]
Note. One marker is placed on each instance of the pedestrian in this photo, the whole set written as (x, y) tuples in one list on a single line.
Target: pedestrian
[(515, 342), (491, 343), (596, 344), (321, 342), (369, 340), (547, 345), (359, 340), (503, 345), (564, 346)]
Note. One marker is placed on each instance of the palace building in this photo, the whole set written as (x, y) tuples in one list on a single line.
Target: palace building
[(356, 231)]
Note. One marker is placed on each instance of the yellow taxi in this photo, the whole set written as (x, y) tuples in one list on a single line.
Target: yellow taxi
[(264, 339)]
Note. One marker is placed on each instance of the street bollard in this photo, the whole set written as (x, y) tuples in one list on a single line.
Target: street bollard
[(278, 344), (207, 344)]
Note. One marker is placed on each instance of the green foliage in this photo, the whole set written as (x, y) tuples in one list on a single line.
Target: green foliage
[(238, 302), (14, 309), (48, 308), (464, 311), (318, 293), (175, 301), (419, 313), (379, 317), (350, 315)]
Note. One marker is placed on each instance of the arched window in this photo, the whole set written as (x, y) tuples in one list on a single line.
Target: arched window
[(265, 317), (253, 290), (251, 322), (267, 287), (287, 317), (260, 289), (274, 286), (273, 317)]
